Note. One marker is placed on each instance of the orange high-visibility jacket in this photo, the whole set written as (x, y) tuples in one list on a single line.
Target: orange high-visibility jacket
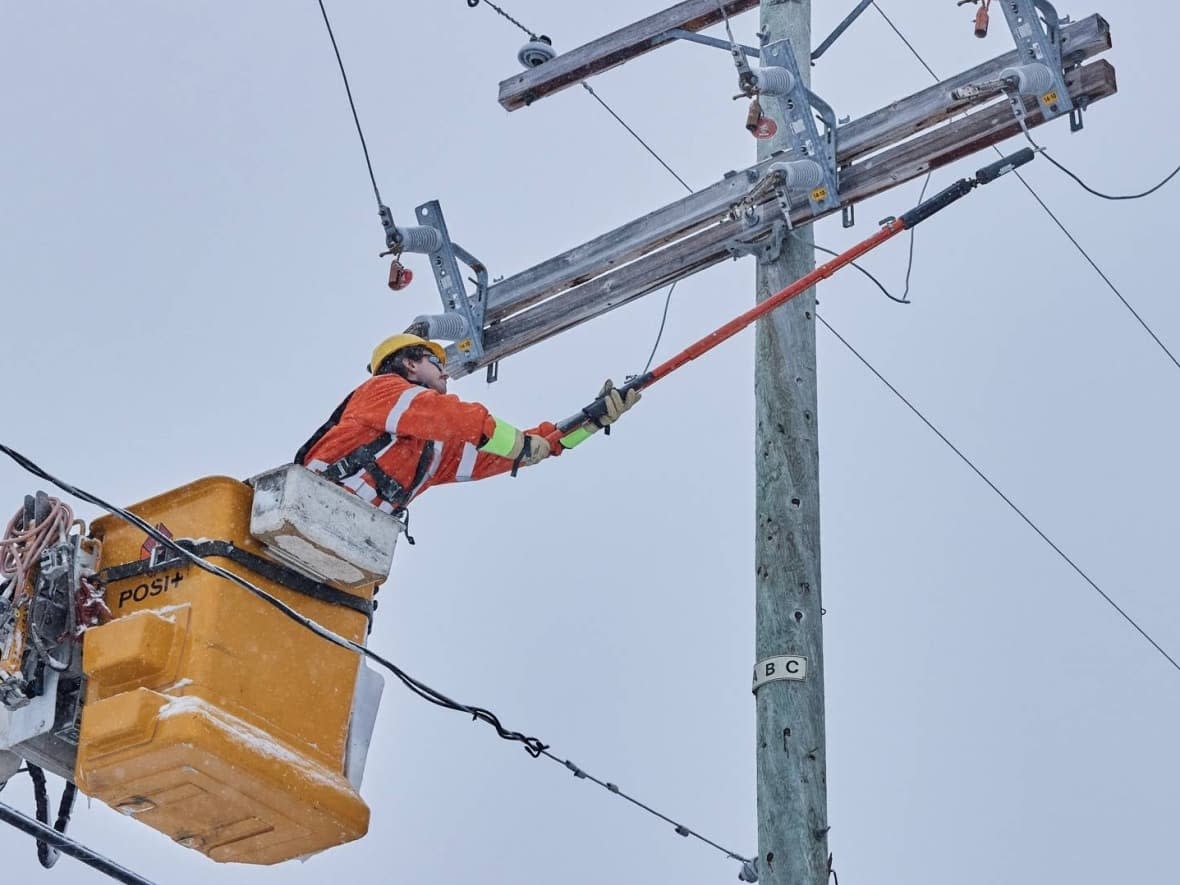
[(414, 416)]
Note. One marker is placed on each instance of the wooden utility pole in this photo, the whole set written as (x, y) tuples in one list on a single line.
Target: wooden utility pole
[(791, 748), (740, 215)]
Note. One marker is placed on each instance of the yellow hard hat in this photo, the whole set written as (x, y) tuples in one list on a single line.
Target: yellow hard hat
[(394, 343)]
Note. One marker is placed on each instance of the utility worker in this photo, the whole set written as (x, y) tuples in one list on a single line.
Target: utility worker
[(400, 432)]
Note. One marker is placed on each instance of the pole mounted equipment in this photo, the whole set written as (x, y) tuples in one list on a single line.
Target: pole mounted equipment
[(891, 227), (1037, 29), (462, 319), (809, 168)]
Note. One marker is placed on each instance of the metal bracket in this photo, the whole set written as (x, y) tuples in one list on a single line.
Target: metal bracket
[(840, 29), (694, 37), (797, 123), (1041, 44), (444, 261), (766, 249)]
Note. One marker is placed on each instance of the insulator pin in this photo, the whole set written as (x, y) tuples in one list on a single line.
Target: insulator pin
[(800, 174), (420, 239), (1030, 79), (774, 81), (445, 326)]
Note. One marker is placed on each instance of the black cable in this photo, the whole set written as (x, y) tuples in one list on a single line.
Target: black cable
[(876, 282), (48, 855), (597, 98), (356, 119), (532, 745), (889, 21), (66, 845), (475, 3), (1003, 496), (681, 829), (1086, 255), (1044, 153), (913, 233), (635, 134), (660, 334), (1127, 304)]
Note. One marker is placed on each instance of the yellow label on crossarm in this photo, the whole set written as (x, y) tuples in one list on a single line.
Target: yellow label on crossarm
[(1050, 97), (464, 345), (819, 194)]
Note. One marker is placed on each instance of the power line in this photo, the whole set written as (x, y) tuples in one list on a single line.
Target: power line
[(1003, 496), (474, 3), (1086, 255), (681, 830), (66, 845), (660, 334), (356, 119), (889, 22), (647, 147), (1044, 153), (533, 745), (636, 136)]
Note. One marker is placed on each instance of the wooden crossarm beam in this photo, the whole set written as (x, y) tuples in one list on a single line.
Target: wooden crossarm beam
[(900, 120), (571, 68), (701, 250), (1082, 40)]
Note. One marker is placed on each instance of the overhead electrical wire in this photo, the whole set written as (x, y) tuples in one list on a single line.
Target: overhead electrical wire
[(503, 14), (637, 137), (1019, 512), (598, 98), (1086, 255), (660, 334), (73, 848), (355, 117), (1139, 196), (532, 745)]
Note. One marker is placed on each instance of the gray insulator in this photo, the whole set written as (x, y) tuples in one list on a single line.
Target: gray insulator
[(1030, 79), (535, 53), (774, 81), (800, 175), (445, 326), (420, 239)]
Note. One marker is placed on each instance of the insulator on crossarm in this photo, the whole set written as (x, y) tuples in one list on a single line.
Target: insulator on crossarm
[(800, 174), (420, 239), (536, 52), (774, 81), (444, 326), (1030, 79)]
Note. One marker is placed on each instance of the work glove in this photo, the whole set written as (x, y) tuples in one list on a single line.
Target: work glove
[(616, 403), (534, 450)]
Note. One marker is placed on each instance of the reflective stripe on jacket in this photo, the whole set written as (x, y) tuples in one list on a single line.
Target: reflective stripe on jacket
[(414, 415)]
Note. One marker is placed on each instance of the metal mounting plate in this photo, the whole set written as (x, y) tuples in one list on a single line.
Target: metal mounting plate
[(797, 123), (445, 264), (1035, 45)]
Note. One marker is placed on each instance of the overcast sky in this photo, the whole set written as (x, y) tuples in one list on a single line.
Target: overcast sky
[(188, 259)]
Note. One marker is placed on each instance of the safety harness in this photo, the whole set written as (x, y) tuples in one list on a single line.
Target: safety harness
[(364, 457)]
